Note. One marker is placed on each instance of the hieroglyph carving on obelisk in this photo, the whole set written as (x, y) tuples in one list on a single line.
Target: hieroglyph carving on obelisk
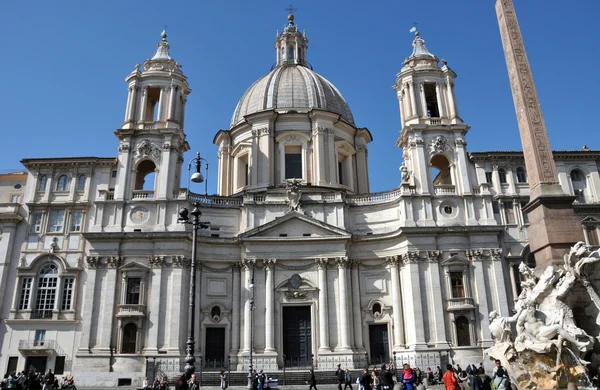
[(536, 145)]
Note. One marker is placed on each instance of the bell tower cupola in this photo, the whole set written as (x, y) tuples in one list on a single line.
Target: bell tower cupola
[(433, 134), (291, 45), (152, 139)]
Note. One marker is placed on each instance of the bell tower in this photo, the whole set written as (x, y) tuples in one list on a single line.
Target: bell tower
[(152, 140), (433, 134)]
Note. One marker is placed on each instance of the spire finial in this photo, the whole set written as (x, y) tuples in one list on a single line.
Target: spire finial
[(163, 34), (415, 30), (291, 10)]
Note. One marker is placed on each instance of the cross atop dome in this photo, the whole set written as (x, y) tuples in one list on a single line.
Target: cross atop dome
[(290, 17)]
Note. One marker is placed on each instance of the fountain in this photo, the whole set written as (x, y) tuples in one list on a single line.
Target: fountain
[(557, 320)]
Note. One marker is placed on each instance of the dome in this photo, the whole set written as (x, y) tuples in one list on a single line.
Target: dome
[(292, 87)]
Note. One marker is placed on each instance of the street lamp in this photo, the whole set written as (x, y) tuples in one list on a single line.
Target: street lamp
[(251, 286), (197, 176), (196, 225)]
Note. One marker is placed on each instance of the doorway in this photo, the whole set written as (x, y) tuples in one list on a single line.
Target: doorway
[(297, 336), (215, 347), (36, 363), (379, 344)]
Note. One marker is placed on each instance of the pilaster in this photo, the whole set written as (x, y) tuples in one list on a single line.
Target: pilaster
[(323, 309)]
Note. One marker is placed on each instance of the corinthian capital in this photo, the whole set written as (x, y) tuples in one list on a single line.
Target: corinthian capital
[(342, 262), (392, 261), (269, 263), (321, 262), (248, 262)]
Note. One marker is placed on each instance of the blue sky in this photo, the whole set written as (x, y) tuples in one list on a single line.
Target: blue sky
[(64, 63)]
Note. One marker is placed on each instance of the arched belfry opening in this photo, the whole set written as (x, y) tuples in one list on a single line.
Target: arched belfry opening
[(440, 170), (145, 176)]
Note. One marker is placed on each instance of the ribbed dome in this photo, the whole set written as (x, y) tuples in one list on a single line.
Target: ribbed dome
[(292, 87)]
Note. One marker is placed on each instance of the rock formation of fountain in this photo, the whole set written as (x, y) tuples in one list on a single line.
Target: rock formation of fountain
[(557, 323)]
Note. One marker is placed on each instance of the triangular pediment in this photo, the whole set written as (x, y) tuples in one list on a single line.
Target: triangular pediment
[(455, 261), (296, 225), (591, 220), (134, 266)]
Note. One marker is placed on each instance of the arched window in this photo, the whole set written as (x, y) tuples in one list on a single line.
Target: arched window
[(47, 286), (145, 176), (61, 183), (521, 175), (440, 170), (502, 175), (578, 180), (463, 335), (129, 338), (291, 55), (43, 181), (81, 183)]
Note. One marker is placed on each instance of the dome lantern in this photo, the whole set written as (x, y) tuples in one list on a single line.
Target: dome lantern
[(291, 45)]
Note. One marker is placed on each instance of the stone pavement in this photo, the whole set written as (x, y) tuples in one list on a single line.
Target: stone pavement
[(290, 387)]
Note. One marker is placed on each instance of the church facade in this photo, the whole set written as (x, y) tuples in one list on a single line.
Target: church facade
[(301, 263)]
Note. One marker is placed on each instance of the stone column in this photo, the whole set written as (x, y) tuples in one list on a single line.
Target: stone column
[(450, 99), (437, 321), (88, 306), (392, 267), (357, 306), (248, 266), (331, 154), (480, 295), (143, 104), (438, 92), (235, 309), (343, 318), (106, 322), (319, 155), (269, 307), (253, 161), (129, 104), (154, 305), (361, 168), (423, 101), (412, 300), (172, 102), (323, 309), (413, 99)]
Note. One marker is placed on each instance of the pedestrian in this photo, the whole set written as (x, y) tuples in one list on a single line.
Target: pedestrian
[(192, 383), (48, 380), (262, 379), (347, 379), (429, 377), (339, 373), (376, 380), (386, 377), (254, 380), (365, 380), (500, 377), (223, 379), (450, 380), (408, 377), (312, 381)]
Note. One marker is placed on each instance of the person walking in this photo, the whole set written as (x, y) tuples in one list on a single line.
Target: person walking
[(223, 380), (365, 380), (347, 379), (339, 373), (450, 380), (500, 377), (192, 383), (312, 381), (262, 379), (48, 380)]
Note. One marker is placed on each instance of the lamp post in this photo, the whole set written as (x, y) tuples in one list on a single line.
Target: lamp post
[(184, 218), (251, 286)]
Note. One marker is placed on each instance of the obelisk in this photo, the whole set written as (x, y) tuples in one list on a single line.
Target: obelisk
[(554, 227)]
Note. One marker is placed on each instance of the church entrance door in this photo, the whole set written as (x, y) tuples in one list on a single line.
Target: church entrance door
[(379, 344), (35, 363), (215, 348), (297, 337)]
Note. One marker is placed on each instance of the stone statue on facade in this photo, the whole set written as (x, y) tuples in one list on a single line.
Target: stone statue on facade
[(405, 173), (549, 346), (294, 195)]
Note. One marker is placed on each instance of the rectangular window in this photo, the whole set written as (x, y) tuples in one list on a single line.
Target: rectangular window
[(510, 213), (13, 362), (114, 174), (431, 100), (293, 162), (341, 172), (488, 178), (456, 281), (40, 337), (36, 222), (76, 218), (495, 207), (133, 291), (56, 221), (67, 294), (25, 293), (152, 104), (15, 198)]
